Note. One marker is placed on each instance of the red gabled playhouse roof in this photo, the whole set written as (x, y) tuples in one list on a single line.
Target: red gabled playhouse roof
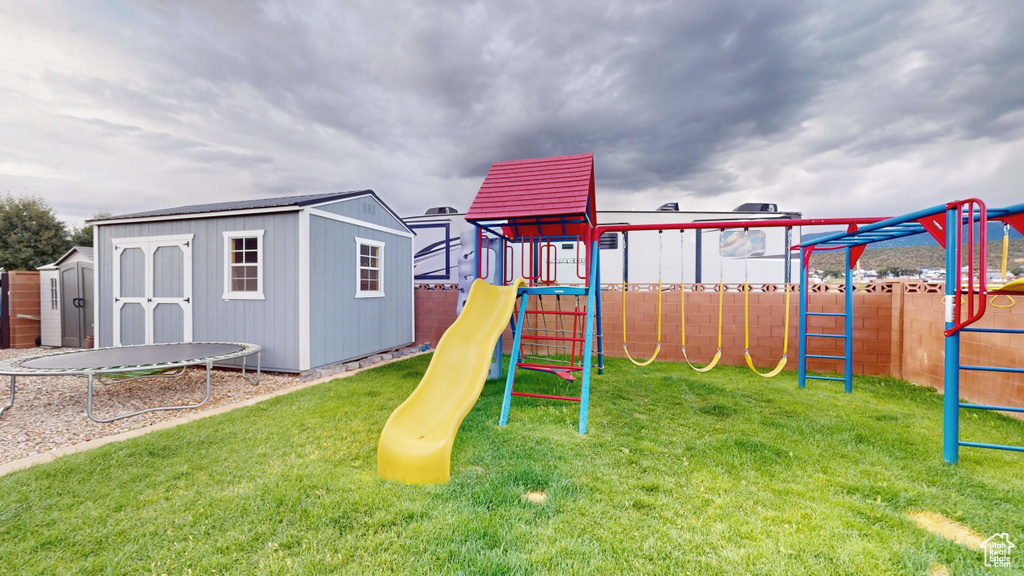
[(522, 194)]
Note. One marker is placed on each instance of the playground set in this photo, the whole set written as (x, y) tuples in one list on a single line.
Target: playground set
[(534, 204)]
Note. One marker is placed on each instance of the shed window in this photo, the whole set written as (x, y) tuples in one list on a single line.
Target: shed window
[(53, 294), (243, 265), (369, 268)]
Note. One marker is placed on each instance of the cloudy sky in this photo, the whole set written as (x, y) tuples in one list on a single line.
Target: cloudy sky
[(831, 108)]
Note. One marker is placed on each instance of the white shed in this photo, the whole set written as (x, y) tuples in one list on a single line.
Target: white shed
[(66, 296)]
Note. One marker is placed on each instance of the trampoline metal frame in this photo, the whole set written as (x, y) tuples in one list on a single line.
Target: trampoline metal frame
[(13, 369)]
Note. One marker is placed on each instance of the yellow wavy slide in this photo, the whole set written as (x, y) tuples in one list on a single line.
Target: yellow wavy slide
[(416, 443)]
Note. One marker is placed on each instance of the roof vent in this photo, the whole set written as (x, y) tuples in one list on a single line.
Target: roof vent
[(441, 210), (669, 207), (756, 207)]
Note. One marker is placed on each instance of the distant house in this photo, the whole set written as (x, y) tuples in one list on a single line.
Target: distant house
[(66, 297), (315, 280)]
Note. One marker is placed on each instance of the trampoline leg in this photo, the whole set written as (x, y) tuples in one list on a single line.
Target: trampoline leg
[(209, 368), (88, 401), (244, 362), (11, 403)]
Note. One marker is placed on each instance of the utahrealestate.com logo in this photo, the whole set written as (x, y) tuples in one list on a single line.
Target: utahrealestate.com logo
[(997, 550)]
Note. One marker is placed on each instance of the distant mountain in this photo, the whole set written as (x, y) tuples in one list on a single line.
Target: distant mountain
[(995, 232)]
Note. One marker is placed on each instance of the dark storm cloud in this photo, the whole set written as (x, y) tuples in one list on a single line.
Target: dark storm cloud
[(705, 98), (682, 84), (658, 90)]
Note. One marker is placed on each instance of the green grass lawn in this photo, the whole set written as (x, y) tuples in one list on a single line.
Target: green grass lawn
[(718, 473)]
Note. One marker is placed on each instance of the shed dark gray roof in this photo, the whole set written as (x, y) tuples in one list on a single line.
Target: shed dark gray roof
[(278, 202), (83, 250)]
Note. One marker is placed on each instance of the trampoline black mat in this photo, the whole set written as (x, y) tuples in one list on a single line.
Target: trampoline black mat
[(152, 355)]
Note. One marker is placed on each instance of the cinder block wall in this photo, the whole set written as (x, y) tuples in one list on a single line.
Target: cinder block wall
[(872, 327), (897, 330), (24, 308), (923, 346), (435, 311)]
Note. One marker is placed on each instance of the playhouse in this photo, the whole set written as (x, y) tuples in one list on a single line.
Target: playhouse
[(315, 280)]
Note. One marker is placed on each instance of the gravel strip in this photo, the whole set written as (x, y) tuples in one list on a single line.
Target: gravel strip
[(49, 411)]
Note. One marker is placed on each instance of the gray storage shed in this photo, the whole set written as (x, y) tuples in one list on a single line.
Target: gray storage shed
[(66, 296), (315, 280)]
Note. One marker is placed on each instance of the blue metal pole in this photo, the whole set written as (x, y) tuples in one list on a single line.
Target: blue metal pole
[(476, 251), (507, 402), (498, 280), (951, 388), (588, 339), (848, 319), (802, 333), (596, 280)]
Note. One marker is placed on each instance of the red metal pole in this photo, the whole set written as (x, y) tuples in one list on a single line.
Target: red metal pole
[(597, 231), (969, 207)]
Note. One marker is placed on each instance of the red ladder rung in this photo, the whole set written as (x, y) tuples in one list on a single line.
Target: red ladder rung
[(548, 396), (569, 368), (563, 338)]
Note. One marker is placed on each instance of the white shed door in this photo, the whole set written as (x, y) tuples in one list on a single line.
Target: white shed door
[(152, 286)]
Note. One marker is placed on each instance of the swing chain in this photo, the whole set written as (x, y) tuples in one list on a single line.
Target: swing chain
[(1006, 237), (659, 256), (746, 272), (746, 256), (682, 251), (721, 258)]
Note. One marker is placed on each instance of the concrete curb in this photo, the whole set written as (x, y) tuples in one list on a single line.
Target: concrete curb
[(56, 453)]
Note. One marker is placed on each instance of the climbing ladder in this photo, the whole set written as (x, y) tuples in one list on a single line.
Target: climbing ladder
[(852, 254), (578, 340), (958, 297), (553, 329)]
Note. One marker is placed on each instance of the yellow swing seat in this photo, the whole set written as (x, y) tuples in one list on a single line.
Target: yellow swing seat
[(746, 336), (706, 367), (682, 328), (657, 349), (1007, 290), (1014, 287)]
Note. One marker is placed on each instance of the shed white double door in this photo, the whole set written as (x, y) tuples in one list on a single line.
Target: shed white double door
[(152, 287)]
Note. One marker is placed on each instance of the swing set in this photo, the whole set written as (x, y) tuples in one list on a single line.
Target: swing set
[(721, 288), (537, 203)]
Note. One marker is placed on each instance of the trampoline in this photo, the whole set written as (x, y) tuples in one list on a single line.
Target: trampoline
[(95, 364)]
